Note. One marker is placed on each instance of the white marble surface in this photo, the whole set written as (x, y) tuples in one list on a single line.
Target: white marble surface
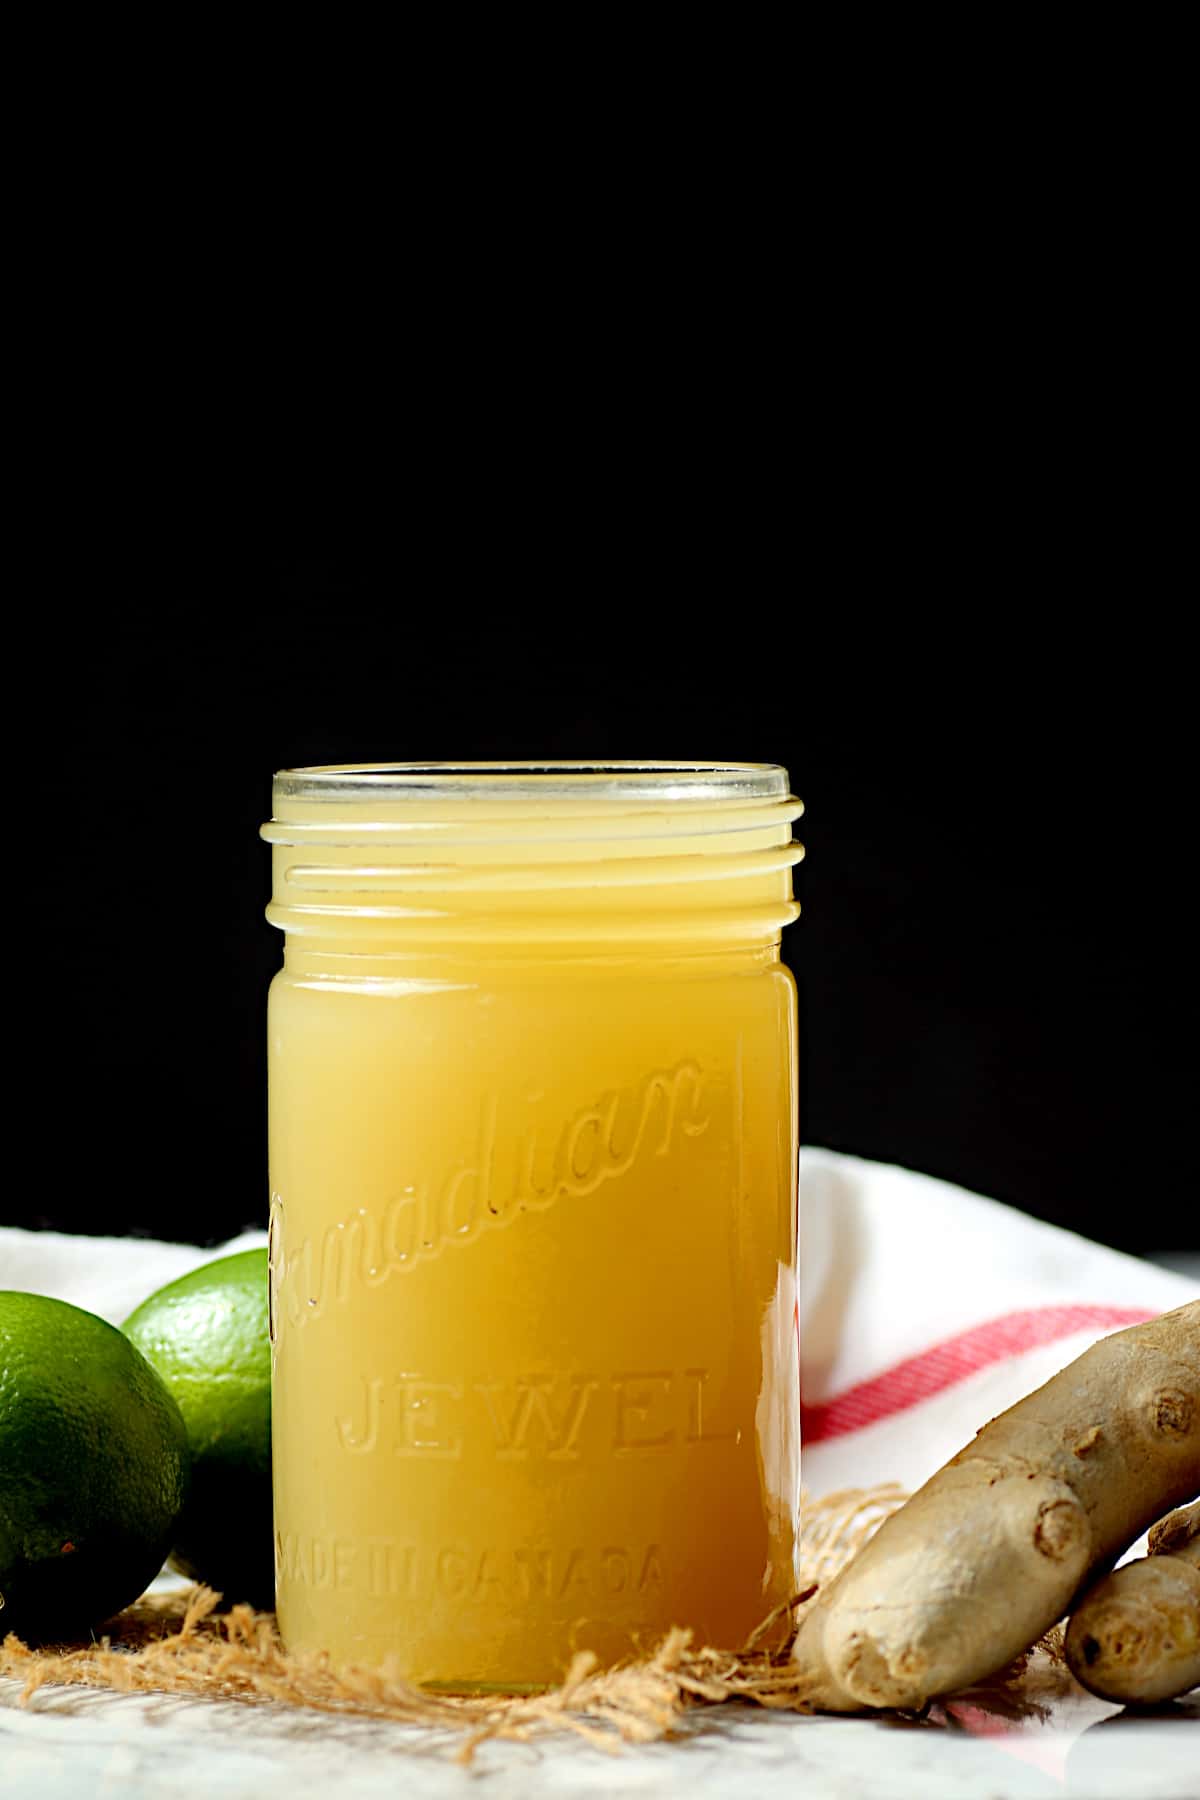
[(70, 1743)]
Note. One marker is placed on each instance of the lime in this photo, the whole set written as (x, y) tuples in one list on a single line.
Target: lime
[(206, 1334), (93, 1468)]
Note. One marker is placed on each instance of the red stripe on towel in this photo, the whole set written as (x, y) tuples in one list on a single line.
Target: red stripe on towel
[(919, 1377)]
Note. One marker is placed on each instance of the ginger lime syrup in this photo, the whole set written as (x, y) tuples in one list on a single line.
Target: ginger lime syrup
[(533, 1171)]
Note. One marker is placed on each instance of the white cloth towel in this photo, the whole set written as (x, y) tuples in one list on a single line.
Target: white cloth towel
[(924, 1309)]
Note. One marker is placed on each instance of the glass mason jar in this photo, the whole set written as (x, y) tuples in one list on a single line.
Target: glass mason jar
[(533, 1212)]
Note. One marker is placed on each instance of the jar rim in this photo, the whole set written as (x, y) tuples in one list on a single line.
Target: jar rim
[(550, 779)]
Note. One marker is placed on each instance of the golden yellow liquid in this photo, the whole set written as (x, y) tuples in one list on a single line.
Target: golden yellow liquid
[(533, 1227)]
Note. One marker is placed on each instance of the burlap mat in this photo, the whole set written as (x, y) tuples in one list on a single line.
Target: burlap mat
[(180, 1644)]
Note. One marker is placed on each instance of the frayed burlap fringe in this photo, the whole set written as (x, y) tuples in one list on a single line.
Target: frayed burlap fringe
[(180, 1644)]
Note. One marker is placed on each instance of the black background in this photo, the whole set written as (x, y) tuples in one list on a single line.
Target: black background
[(994, 957), (875, 470), (825, 410)]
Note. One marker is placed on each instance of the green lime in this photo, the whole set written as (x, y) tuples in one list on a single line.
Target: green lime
[(93, 1469), (206, 1334)]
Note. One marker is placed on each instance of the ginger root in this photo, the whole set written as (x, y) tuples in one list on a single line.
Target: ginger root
[(1135, 1637), (992, 1551)]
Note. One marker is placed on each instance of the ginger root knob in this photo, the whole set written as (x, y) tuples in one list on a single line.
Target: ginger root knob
[(1135, 1637), (994, 1549)]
